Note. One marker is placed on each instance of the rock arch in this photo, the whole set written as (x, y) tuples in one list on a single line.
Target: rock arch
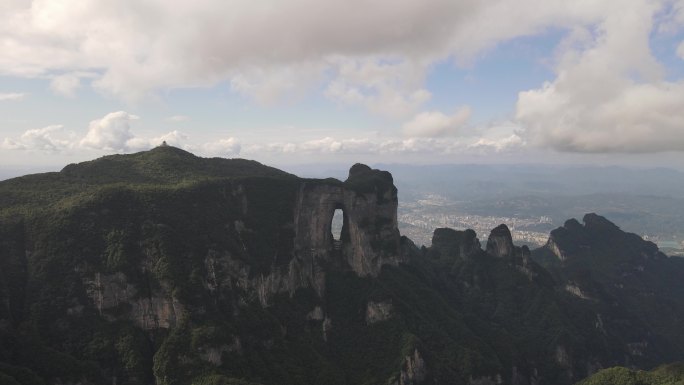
[(370, 237)]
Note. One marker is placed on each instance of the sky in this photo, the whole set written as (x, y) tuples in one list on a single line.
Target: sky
[(341, 81)]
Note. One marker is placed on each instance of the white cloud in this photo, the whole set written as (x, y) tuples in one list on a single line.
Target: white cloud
[(610, 96), (111, 133), (497, 137), (435, 123), (138, 49), (46, 139), (269, 85), (223, 147), (65, 85), (680, 50), (178, 118), (173, 138), (510, 142), (488, 143), (12, 96), (672, 20), (375, 54), (393, 88)]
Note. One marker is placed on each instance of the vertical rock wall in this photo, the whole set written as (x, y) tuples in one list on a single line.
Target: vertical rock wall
[(370, 237)]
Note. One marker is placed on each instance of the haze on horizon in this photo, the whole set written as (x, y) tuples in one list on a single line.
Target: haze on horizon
[(336, 82)]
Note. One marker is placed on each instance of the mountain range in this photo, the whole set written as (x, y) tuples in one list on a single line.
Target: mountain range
[(165, 268)]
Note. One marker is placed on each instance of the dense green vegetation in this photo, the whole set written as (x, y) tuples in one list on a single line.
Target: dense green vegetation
[(672, 374), (155, 267), (159, 168)]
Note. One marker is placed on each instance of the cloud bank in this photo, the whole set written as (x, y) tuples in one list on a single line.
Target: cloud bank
[(111, 133), (436, 124), (609, 95), (114, 133), (12, 96)]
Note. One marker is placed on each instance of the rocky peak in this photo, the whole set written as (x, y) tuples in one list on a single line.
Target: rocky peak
[(573, 225), (500, 242), (363, 180), (500, 245), (568, 240), (598, 224), (448, 242), (574, 239), (370, 236), (358, 169)]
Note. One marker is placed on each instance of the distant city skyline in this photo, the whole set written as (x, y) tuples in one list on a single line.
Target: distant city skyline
[(308, 82)]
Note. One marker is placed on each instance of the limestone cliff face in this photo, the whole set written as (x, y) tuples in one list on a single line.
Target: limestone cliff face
[(446, 241), (111, 292), (413, 371), (500, 245), (574, 239), (305, 247), (378, 311), (370, 237), (164, 268), (599, 264), (500, 242), (226, 271)]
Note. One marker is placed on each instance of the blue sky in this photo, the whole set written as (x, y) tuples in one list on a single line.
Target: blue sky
[(300, 81)]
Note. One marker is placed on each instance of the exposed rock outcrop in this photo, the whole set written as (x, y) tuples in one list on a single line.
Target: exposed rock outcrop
[(227, 269), (369, 240), (500, 242), (500, 245), (370, 237), (446, 241), (114, 296), (574, 239), (413, 371), (378, 311)]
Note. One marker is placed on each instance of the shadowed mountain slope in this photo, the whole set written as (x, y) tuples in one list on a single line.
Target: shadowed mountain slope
[(165, 268)]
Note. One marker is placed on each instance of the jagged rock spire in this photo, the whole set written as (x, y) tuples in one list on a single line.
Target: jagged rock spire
[(500, 242)]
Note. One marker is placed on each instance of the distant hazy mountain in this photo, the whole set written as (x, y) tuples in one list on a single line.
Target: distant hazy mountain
[(491, 181)]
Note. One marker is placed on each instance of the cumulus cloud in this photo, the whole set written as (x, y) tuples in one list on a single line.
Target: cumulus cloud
[(389, 146), (110, 133), (203, 43), (393, 89), (113, 133), (173, 138), (497, 137), (47, 139), (501, 144), (435, 123), (223, 147), (610, 96), (269, 85), (375, 53), (12, 96), (66, 84)]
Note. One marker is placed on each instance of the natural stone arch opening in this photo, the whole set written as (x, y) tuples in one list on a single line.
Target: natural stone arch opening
[(336, 224), (339, 227)]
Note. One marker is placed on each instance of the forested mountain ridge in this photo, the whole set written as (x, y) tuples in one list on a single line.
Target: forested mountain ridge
[(163, 267)]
